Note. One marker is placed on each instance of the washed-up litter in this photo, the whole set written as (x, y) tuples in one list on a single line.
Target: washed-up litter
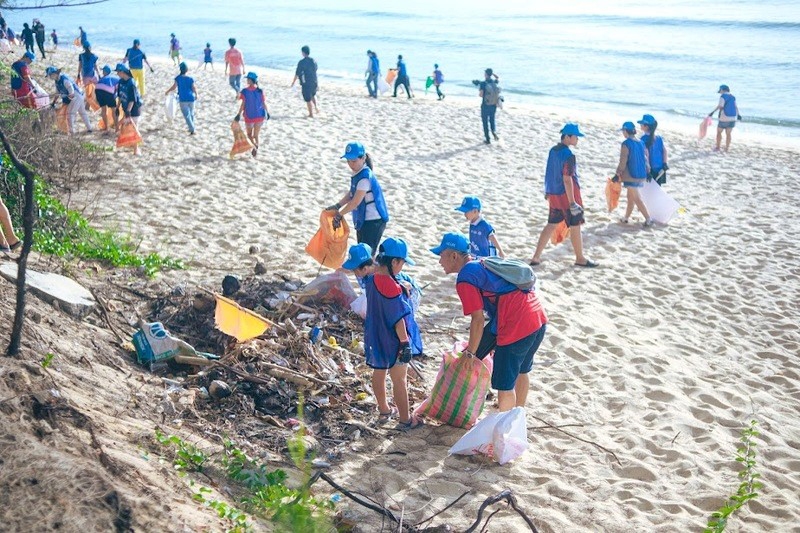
[(502, 436)]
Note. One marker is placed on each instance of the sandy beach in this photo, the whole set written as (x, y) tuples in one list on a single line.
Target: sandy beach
[(662, 355)]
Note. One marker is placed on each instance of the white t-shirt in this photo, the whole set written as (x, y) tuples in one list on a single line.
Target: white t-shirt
[(372, 211)]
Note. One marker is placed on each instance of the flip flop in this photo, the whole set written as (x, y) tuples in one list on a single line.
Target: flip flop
[(385, 417), (587, 264), (408, 426), (534, 263), (4, 249), (15, 245)]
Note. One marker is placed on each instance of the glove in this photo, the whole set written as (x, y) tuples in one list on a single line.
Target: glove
[(238, 117), (615, 179), (337, 221), (334, 207), (151, 69), (738, 117), (711, 114), (404, 353), (666, 166), (575, 210)]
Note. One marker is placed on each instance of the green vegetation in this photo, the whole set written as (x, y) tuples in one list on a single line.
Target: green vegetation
[(263, 492), (66, 233), (48, 360), (746, 455)]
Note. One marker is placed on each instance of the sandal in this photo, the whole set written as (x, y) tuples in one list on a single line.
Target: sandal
[(385, 417), (15, 245), (414, 423), (534, 263)]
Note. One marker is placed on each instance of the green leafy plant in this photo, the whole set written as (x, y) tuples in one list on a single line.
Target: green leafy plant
[(224, 511), (48, 359), (188, 457), (745, 454), (65, 232)]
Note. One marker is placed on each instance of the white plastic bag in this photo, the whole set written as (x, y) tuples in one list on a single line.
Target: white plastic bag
[(359, 306), (171, 106), (383, 87), (503, 436)]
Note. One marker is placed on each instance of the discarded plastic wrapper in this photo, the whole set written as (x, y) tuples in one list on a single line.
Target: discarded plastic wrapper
[(334, 287), (459, 391), (153, 343), (236, 321), (503, 436), (359, 306)]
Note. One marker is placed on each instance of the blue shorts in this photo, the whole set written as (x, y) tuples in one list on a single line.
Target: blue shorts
[(514, 359), (634, 184), (725, 125)]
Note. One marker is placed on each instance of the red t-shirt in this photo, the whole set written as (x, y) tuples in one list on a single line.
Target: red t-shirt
[(235, 61), (518, 314)]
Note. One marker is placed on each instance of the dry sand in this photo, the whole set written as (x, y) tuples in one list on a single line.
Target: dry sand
[(663, 354)]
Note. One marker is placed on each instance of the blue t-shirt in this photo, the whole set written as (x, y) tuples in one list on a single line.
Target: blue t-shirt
[(207, 55), (108, 84), (88, 62), (375, 65), (401, 68), (438, 77), (185, 92), (479, 245), (135, 58)]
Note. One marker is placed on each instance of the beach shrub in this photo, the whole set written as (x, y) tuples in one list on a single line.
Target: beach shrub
[(65, 232), (746, 455)]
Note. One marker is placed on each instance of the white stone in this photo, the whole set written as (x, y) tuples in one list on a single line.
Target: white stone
[(53, 288)]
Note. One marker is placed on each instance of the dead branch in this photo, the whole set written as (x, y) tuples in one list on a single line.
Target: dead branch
[(508, 496), (552, 426)]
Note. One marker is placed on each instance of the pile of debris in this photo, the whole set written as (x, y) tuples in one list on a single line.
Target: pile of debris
[(307, 370)]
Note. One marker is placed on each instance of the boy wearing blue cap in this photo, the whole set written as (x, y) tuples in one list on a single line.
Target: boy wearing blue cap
[(106, 93), (633, 170), (187, 94), (136, 60), (360, 263), (562, 190), (482, 238), (391, 334), (516, 326), (728, 115)]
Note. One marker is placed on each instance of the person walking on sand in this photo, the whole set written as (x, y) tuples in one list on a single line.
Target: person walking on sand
[(482, 238), (438, 80), (364, 199), (175, 49), (21, 82), (633, 170), (71, 96), (562, 190), (402, 77), (516, 320), (489, 91), (129, 98), (391, 334), (8, 239), (136, 59), (728, 115), (254, 109), (54, 38), (187, 94), (372, 73), (106, 93), (88, 73), (27, 37), (234, 66), (656, 151), (306, 72), (38, 30), (207, 59)]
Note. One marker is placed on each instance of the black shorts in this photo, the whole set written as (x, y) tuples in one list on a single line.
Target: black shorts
[(106, 99), (309, 91), (370, 233)]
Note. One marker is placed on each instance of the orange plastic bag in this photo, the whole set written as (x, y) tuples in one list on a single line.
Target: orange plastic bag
[(91, 98), (101, 124), (62, 124), (561, 233), (329, 246), (613, 190), (128, 134), (241, 143)]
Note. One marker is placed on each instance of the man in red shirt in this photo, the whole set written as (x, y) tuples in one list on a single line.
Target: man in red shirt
[(234, 66), (516, 326)]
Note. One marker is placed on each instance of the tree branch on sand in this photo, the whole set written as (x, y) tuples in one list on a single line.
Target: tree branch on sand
[(13, 6)]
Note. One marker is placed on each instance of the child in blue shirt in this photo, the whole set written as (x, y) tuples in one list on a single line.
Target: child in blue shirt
[(207, 60), (391, 334), (482, 238)]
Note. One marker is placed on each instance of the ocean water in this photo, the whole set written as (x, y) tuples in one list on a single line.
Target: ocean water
[(618, 57)]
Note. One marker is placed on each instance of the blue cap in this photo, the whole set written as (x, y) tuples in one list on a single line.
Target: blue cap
[(252, 76), (353, 151), (452, 241), (571, 129), (469, 203), (106, 70), (121, 68), (357, 256), (648, 120), (136, 41), (628, 126), (29, 55), (50, 70), (723, 87), (395, 248)]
